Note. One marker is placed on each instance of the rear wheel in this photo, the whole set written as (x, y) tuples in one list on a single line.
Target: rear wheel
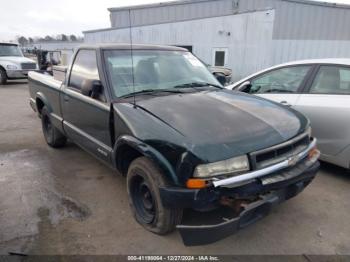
[(3, 76), (143, 182), (53, 136)]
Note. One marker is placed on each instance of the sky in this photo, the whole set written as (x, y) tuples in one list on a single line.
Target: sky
[(32, 18)]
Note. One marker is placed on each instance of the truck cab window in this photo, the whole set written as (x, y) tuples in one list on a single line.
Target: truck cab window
[(84, 67)]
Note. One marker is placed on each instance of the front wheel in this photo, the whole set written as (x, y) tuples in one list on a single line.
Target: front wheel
[(3, 77), (143, 182), (53, 136)]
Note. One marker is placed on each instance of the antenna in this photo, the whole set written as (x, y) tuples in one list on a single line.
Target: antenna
[(132, 57)]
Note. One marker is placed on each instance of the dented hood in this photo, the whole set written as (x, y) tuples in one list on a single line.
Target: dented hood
[(221, 124)]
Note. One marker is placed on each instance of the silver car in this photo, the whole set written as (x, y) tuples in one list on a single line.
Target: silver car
[(320, 89)]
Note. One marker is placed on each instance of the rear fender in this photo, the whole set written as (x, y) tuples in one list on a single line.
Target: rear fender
[(56, 120), (43, 98)]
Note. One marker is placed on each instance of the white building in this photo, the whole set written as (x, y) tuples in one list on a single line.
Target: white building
[(244, 35)]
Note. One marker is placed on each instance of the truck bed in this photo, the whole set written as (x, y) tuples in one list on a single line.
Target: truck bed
[(45, 89), (44, 78)]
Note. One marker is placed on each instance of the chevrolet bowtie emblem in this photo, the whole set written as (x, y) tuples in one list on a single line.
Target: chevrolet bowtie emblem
[(292, 160)]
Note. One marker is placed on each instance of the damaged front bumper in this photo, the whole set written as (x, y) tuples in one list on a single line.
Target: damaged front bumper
[(193, 235), (268, 190)]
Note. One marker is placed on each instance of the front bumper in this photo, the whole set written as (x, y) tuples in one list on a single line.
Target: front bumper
[(17, 74), (207, 234), (271, 190)]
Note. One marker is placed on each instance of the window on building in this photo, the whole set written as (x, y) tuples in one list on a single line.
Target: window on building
[(220, 56)]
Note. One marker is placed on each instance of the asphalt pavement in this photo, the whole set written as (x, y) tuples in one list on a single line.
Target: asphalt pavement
[(64, 201)]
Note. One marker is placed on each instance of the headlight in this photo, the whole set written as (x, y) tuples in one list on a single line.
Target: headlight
[(226, 167), (11, 67)]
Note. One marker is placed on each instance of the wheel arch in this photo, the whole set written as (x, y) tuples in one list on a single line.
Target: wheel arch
[(128, 148), (42, 101), (3, 68)]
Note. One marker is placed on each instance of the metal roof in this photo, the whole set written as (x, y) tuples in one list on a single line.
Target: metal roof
[(168, 3), (181, 2), (7, 43)]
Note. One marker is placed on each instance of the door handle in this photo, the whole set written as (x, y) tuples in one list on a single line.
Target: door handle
[(66, 98), (285, 103)]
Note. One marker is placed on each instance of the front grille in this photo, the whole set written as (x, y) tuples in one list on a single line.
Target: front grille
[(28, 66), (267, 157)]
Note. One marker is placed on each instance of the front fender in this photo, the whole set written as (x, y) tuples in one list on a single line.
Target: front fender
[(147, 151)]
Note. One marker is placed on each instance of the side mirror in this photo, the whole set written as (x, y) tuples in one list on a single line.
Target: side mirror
[(221, 78), (244, 87), (91, 88)]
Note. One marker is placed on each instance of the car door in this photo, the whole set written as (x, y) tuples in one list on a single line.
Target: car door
[(282, 85), (86, 119), (326, 102)]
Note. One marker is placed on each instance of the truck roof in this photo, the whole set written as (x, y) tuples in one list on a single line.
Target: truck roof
[(134, 47), (3, 43)]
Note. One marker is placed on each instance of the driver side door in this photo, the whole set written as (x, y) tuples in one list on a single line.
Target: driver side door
[(282, 85), (86, 119)]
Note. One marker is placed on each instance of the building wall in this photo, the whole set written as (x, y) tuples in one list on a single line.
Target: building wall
[(305, 21), (262, 32), (248, 43), (56, 45), (171, 12)]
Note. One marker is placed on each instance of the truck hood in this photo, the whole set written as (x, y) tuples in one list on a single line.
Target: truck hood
[(217, 125), (16, 59)]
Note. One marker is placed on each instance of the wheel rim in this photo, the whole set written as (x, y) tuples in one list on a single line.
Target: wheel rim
[(143, 200)]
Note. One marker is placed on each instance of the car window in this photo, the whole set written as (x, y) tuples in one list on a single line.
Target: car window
[(84, 67), (331, 80), (284, 80)]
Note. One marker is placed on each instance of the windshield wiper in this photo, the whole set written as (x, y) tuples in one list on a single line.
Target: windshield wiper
[(152, 92), (197, 84)]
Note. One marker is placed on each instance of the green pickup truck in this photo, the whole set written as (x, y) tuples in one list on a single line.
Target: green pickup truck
[(157, 116)]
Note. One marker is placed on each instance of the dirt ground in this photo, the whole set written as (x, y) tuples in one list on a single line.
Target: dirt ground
[(66, 202)]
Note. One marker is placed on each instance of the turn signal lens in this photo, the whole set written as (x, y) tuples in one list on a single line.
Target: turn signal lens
[(313, 155), (196, 183)]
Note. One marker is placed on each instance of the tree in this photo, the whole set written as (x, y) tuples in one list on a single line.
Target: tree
[(22, 41), (73, 38), (30, 40), (48, 38), (64, 37)]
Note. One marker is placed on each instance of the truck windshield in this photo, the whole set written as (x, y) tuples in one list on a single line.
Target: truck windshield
[(155, 70), (10, 50)]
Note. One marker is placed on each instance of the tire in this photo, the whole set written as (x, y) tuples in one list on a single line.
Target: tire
[(143, 182), (3, 76), (53, 136)]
